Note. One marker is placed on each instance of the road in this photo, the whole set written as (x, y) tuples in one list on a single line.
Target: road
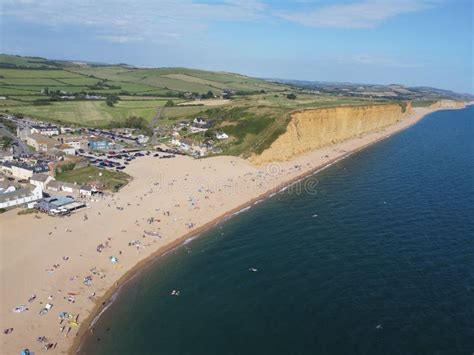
[(21, 148)]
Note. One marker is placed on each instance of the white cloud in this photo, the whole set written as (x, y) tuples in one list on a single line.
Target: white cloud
[(368, 59), (365, 14), (126, 21)]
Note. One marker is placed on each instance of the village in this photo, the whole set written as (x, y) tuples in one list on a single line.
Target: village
[(57, 169)]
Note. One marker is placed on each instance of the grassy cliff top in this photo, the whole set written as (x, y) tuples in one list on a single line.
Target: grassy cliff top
[(74, 93)]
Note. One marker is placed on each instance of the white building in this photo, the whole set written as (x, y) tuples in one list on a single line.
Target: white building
[(41, 180), (11, 198), (77, 142), (221, 135), (45, 130), (199, 121), (22, 170), (87, 191), (67, 149), (142, 139)]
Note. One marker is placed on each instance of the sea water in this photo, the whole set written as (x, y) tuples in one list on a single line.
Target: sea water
[(376, 258)]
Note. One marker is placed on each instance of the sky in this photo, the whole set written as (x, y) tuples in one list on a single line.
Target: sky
[(409, 42)]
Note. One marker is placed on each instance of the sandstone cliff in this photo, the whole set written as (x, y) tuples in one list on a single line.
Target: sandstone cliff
[(315, 128), (448, 104)]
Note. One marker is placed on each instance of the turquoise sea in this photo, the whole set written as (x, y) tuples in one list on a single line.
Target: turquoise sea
[(386, 266)]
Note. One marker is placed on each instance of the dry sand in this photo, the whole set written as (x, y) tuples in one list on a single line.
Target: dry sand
[(181, 194)]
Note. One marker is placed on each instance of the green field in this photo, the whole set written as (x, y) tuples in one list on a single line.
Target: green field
[(256, 115), (111, 179), (97, 113)]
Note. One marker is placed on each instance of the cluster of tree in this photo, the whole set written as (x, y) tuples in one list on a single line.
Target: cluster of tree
[(249, 92), (6, 142), (62, 168), (6, 65), (210, 134), (208, 95), (103, 85), (134, 122), (170, 103), (9, 124), (291, 96), (42, 102), (53, 94), (111, 99)]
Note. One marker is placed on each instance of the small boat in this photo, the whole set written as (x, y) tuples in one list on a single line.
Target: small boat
[(253, 269)]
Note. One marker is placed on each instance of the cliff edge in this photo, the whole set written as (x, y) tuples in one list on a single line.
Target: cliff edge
[(315, 128)]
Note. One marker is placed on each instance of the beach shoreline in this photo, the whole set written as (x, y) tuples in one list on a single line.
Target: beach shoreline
[(81, 237), (106, 300)]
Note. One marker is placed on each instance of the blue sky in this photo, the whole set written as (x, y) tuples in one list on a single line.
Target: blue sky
[(411, 42)]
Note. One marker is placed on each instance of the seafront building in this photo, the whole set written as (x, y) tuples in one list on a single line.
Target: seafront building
[(21, 170), (39, 142), (11, 196)]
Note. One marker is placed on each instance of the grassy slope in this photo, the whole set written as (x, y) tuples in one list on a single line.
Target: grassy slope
[(23, 86), (253, 121)]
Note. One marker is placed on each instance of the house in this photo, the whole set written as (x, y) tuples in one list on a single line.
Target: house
[(45, 130), (6, 155), (184, 144), (66, 129), (221, 135), (22, 132), (11, 197), (57, 186), (22, 170), (87, 191), (194, 129), (50, 203), (54, 186), (41, 180), (60, 205), (66, 148), (199, 121), (77, 142), (99, 143), (40, 143), (71, 188), (54, 154)]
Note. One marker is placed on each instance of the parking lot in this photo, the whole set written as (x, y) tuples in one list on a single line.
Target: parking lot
[(118, 160)]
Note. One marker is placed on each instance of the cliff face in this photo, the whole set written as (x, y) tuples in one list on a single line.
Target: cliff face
[(448, 104), (316, 128)]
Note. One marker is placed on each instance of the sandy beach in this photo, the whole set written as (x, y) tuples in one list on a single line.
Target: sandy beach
[(66, 262)]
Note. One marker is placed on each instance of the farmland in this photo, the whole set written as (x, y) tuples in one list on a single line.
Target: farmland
[(56, 90), (78, 94)]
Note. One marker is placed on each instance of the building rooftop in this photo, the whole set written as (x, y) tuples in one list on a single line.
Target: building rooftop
[(42, 139), (58, 201), (12, 195), (54, 184), (39, 177), (63, 146), (38, 168)]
